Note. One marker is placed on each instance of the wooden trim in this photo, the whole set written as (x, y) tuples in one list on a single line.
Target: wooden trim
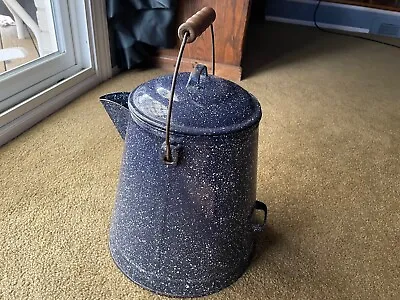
[(372, 5), (230, 72), (321, 24), (230, 29)]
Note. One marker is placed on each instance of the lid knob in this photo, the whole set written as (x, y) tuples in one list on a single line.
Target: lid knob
[(195, 77)]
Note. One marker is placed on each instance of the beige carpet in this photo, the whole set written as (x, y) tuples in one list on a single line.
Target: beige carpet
[(329, 171)]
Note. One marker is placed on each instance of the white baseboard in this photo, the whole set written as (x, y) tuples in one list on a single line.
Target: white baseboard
[(29, 119), (322, 25), (352, 7)]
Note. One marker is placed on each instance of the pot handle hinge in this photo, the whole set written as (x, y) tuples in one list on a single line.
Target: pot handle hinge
[(256, 227), (174, 154)]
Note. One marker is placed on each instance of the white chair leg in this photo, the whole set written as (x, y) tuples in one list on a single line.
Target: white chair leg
[(21, 30), (19, 13)]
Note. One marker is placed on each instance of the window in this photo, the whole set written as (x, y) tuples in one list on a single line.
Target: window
[(78, 60)]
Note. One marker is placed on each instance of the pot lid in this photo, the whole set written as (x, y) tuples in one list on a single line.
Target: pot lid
[(203, 104)]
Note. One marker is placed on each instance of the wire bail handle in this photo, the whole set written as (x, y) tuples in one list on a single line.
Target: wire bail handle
[(188, 32)]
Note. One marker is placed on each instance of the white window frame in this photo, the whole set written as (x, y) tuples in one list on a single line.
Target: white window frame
[(94, 65)]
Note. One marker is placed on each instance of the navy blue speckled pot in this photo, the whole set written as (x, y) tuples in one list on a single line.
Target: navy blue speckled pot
[(185, 228)]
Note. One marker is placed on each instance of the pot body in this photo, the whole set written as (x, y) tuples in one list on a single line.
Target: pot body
[(185, 229)]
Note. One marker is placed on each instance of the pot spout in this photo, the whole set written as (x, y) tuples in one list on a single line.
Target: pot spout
[(116, 105)]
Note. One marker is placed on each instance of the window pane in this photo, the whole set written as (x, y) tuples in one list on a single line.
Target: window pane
[(35, 45), (27, 32)]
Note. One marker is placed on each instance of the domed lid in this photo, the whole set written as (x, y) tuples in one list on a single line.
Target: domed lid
[(202, 104)]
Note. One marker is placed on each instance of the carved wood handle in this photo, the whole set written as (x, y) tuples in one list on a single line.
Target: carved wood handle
[(197, 24)]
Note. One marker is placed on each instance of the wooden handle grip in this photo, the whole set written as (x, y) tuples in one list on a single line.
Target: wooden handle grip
[(197, 24)]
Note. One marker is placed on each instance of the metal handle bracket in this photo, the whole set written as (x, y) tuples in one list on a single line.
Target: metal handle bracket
[(259, 206)]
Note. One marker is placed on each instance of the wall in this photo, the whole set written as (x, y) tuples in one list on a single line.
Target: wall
[(334, 15)]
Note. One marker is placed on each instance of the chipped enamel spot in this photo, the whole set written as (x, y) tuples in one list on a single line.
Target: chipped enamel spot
[(150, 106), (163, 92)]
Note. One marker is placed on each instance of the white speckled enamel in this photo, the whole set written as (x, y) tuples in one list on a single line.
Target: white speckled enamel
[(183, 229)]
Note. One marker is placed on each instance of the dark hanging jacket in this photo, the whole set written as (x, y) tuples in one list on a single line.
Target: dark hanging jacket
[(138, 28)]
